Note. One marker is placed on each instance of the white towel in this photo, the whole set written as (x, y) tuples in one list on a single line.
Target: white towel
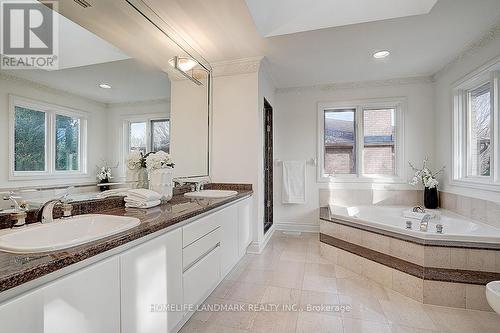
[(119, 192), (294, 182), (141, 204), (417, 216), (142, 194)]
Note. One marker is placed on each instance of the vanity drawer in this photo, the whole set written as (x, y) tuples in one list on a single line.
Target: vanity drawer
[(197, 250), (201, 278), (200, 228)]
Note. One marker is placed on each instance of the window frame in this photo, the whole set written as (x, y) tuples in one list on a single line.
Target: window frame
[(140, 118), (399, 106), (51, 111), (461, 130)]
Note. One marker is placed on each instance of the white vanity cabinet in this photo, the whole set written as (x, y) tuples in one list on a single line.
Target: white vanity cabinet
[(136, 288), (151, 281), (86, 301)]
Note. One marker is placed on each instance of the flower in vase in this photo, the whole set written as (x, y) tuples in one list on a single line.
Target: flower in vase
[(158, 160), (135, 160)]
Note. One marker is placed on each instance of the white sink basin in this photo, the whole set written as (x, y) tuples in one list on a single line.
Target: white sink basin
[(62, 234), (211, 194), (493, 295)]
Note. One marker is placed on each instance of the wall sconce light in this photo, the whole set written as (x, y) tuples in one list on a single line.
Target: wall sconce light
[(185, 66)]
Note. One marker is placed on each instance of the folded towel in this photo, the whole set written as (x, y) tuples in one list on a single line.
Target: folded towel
[(417, 216), (142, 204), (142, 194), (294, 182), (119, 192)]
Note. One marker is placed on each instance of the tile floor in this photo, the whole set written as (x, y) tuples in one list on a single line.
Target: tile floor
[(291, 271)]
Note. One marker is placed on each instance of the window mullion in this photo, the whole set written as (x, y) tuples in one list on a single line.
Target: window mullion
[(495, 91), (359, 144)]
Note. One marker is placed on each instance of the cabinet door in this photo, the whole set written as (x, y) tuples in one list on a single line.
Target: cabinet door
[(244, 226), (228, 218), (86, 301), (151, 279)]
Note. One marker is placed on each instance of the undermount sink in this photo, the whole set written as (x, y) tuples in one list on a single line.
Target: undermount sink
[(493, 295), (211, 194), (62, 234)]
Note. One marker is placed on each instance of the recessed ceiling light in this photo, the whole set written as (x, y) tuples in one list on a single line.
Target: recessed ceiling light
[(104, 86), (381, 54)]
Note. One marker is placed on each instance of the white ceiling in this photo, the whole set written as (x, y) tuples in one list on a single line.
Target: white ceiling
[(281, 17), (130, 81), (420, 45)]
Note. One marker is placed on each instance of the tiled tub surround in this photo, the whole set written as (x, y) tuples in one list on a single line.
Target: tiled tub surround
[(16, 269), (477, 209), (441, 275)]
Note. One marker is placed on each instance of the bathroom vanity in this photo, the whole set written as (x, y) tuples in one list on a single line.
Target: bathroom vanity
[(149, 278)]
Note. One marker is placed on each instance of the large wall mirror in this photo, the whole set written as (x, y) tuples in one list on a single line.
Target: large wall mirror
[(122, 84)]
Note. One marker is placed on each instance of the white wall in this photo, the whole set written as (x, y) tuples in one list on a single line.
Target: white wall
[(295, 126), (236, 154), (116, 115), (96, 126), (473, 59)]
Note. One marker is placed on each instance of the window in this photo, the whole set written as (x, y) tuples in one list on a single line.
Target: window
[(147, 133), (474, 131), (360, 141), (47, 140)]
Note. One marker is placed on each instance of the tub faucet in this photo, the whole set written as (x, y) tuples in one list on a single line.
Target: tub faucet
[(424, 224)]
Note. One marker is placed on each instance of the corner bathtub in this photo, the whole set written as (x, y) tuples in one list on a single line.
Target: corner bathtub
[(390, 218)]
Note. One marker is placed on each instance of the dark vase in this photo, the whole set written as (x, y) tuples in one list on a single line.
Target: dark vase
[(431, 200), (104, 188)]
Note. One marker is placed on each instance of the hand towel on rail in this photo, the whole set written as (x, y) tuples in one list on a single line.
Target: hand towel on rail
[(294, 182)]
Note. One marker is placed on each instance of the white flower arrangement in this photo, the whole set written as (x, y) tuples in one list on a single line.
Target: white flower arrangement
[(425, 176), (135, 160), (104, 173), (158, 160)]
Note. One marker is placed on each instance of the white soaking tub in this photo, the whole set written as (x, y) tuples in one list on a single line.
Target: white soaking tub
[(390, 218)]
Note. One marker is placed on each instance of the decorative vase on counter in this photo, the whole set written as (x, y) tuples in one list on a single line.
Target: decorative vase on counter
[(431, 200), (161, 181), (104, 187), (138, 178)]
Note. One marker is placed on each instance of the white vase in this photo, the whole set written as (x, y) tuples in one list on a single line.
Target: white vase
[(138, 178), (161, 181)]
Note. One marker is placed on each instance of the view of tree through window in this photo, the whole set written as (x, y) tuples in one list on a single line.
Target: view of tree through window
[(379, 142), (138, 137), (67, 143), (29, 140), (479, 129), (160, 135), (339, 141)]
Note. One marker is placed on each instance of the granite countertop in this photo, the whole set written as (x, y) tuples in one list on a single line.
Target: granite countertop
[(16, 269)]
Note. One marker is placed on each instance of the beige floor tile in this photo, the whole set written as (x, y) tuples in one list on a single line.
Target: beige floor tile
[(363, 308), (195, 326), (274, 322), (278, 295), (406, 329), (256, 276), (223, 288), (361, 326), (246, 292), (453, 320), (291, 255), (288, 278), (309, 322), (241, 320), (488, 321), (316, 301), (319, 283), (407, 314), (323, 270)]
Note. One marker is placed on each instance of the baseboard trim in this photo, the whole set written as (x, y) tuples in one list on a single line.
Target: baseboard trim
[(256, 247), (297, 227)]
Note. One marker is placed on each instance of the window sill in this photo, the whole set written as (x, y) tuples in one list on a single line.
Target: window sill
[(42, 176), (476, 184), (369, 180)]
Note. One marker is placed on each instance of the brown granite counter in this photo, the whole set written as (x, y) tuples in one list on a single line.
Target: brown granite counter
[(16, 269)]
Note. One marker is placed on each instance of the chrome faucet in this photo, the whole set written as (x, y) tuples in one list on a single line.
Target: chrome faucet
[(46, 212), (424, 224), (11, 197)]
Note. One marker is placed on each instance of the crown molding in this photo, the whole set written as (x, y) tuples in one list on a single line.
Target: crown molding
[(43, 87), (358, 84), (148, 102), (473, 48), (238, 66)]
